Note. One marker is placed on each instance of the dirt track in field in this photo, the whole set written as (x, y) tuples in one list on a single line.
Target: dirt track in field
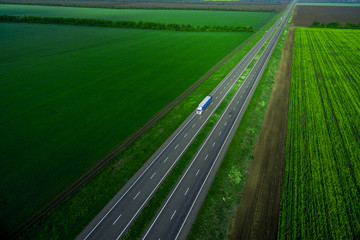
[(259, 209), (304, 16), (278, 7)]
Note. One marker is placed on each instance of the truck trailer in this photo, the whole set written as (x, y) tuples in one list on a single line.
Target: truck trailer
[(203, 104)]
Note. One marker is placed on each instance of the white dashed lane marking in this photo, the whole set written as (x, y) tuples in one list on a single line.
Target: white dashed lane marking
[(173, 215), (117, 219), (186, 191), (137, 195)]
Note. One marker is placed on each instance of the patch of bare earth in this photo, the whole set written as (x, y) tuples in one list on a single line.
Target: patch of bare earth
[(304, 16), (278, 7), (259, 209)]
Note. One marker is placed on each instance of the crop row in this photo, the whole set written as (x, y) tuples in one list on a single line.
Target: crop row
[(321, 188)]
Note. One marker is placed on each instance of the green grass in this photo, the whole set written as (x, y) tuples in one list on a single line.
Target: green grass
[(76, 210), (216, 215), (320, 193), (331, 4), (70, 94), (192, 17)]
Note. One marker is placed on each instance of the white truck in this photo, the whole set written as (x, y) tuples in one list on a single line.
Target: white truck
[(203, 104)]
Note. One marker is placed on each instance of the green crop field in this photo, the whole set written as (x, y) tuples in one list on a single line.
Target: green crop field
[(193, 17), (69, 94), (321, 188)]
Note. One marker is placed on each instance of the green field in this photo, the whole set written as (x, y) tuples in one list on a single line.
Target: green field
[(320, 198), (192, 17), (70, 94)]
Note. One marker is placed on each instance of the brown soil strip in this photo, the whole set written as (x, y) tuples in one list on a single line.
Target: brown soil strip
[(305, 15), (259, 209), (116, 151), (278, 7)]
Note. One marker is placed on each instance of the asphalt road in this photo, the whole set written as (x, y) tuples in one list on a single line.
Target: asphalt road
[(117, 216), (176, 216)]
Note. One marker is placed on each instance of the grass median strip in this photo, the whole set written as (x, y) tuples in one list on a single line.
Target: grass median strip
[(71, 216)]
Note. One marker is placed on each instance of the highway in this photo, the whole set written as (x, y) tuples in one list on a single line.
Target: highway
[(177, 214), (114, 220)]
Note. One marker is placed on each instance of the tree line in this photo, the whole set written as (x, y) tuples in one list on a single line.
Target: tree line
[(125, 24), (335, 25), (100, 5)]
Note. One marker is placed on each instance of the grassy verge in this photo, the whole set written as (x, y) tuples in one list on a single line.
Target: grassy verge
[(215, 217), (72, 215)]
